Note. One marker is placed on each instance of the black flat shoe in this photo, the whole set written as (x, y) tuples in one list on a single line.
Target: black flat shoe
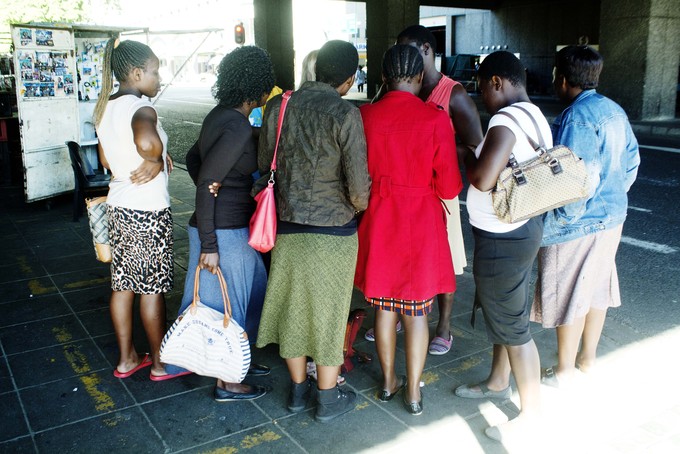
[(386, 396), (257, 370), (222, 395), (415, 408)]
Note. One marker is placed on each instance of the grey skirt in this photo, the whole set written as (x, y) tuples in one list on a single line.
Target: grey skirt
[(575, 276)]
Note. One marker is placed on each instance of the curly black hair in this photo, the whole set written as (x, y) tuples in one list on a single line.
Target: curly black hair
[(245, 74)]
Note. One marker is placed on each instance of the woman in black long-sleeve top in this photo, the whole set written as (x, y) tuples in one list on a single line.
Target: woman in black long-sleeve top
[(218, 230)]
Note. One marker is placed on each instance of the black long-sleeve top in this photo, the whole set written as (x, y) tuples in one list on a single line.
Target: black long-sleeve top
[(227, 154)]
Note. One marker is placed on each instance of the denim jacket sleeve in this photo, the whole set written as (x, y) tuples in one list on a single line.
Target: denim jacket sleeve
[(583, 140), (633, 158)]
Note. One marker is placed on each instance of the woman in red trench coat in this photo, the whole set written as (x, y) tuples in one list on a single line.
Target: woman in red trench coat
[(404, 258)]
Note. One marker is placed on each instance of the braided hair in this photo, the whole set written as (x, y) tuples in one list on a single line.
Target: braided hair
[(401, 62), (245, 74), (119, 61)]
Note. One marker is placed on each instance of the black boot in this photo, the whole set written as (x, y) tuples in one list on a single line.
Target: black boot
[(333, 403), (299, 395)]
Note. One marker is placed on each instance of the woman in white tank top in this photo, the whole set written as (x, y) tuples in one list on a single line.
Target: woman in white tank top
[(133, 146)]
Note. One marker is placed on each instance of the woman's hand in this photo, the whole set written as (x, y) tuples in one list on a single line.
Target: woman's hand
[(209, 261), (214, 188), (170, 164), (146, 171)]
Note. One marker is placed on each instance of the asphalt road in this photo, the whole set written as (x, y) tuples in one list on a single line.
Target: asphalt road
[(648, 258)]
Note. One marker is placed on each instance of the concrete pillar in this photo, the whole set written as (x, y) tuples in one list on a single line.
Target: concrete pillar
[(273, 25), (640, 43), (384, 20)]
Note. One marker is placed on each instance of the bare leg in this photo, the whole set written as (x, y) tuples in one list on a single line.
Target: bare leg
[(386, 345), (152, 311), (499, 376), (568, 339), (327, 376), (526, 368), (297, 367), (591, 337), (445, 302), (120, 307), (416, 334)]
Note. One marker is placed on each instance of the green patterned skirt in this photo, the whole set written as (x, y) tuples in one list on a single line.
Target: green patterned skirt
[(309, 292)]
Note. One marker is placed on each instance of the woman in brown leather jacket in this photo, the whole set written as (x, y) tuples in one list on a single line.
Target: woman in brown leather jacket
[(322, 181)]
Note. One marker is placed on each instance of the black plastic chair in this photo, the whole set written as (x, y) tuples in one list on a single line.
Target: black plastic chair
[(87, 181)]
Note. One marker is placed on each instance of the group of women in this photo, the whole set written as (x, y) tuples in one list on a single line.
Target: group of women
[(359, 197)]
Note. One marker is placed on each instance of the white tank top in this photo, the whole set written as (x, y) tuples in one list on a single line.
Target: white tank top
[(479, 203), (117, 140)]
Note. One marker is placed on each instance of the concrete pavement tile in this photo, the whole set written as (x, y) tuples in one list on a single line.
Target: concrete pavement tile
[(619, 333), (74, 399), (274, 403), (89, 299), (634, 440), (11, 411), (57, 250), (64, 236), (122, 431), (663, 424), (23, 267), (266, 438), (188, 419), (18, 446), (33, 309), (71, 263), (97, 322), (93, 277), (15, 252), (475, 428), (44, 333), (55, 363), (19, 290), (144, 390), (6, 384), (343, 434), (469, 370)]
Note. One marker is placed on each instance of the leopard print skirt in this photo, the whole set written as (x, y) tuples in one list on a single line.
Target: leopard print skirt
[(141, 249)]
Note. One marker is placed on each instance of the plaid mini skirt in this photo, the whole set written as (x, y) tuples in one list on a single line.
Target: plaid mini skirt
[(412, 308)]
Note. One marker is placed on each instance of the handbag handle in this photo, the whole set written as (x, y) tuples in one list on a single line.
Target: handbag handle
[(225, 295), (282, 112), (534, 144), (541, 149)]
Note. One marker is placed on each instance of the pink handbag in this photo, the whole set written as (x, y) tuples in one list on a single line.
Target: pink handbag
[(263, 222)]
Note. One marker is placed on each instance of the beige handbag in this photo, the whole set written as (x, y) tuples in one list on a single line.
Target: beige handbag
[(99, 227), (554, 178)]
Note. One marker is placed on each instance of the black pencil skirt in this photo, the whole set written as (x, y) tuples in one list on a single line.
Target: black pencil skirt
[(502, 271)]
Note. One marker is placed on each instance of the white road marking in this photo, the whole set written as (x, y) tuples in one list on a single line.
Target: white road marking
[(644, 210), (654, 247), (652, 147), (212, 104)]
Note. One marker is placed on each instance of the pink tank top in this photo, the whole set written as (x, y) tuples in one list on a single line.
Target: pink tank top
[(441, 94)]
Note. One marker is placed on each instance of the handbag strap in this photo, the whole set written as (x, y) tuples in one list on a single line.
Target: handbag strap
[(282, 112), (539, 148), (223, 289), (534, 144)]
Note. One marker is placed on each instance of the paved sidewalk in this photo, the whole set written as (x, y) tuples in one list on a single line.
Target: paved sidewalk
[(58, 351)]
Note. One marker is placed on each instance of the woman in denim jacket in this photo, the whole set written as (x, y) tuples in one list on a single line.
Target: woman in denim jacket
[(577, 279)]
